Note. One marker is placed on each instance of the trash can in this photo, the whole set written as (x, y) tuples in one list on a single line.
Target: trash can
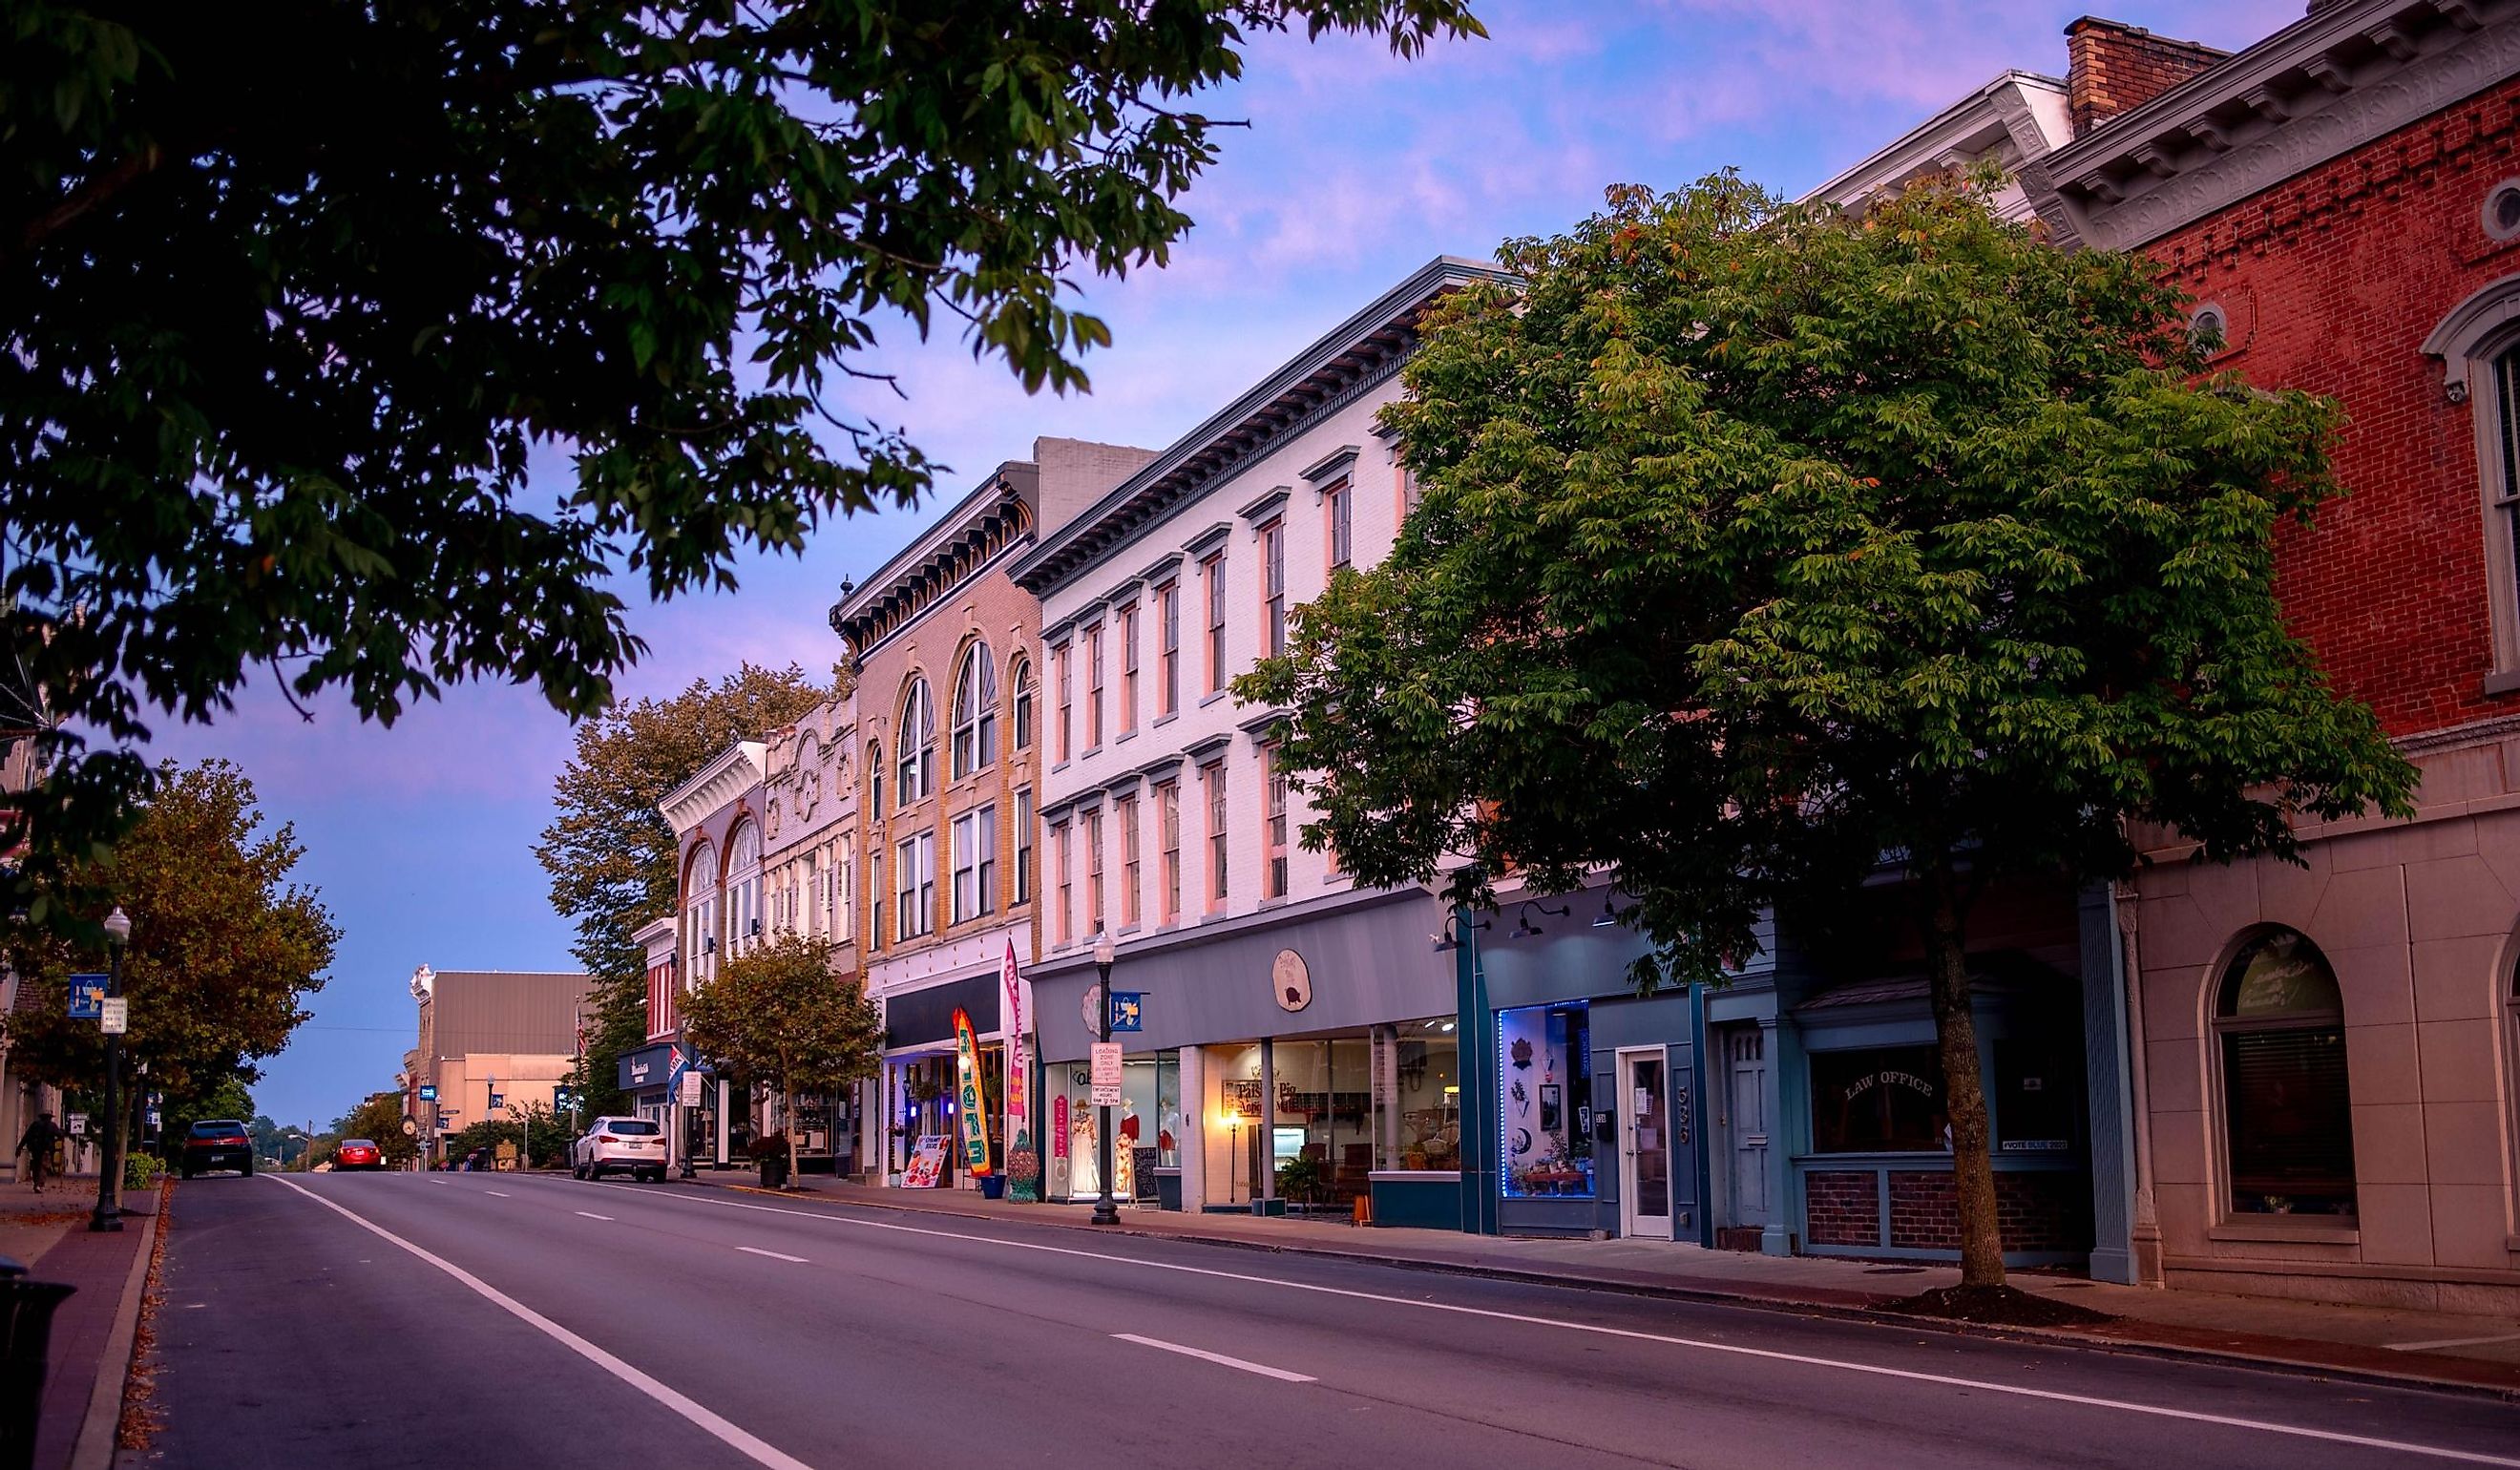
[(26, 1334)]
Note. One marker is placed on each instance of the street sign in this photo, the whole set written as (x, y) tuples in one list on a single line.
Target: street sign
[(78, 1124), (1128, 1010), (87, 997), (690, 1095), (429, 1091), (117, 1014), (1107, 1074), (498, 1101), (410, 1126)]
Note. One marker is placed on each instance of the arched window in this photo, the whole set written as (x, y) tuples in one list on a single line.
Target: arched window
[(743, 916), (1022, 679), (916, 769), (2288, 1114), (975, 713), (699, 915), (874, 779), (2479, 345)]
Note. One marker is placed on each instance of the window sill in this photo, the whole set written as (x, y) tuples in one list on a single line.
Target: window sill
[(1166, 718), (1207, 699), (1089, 752), (2294, 1234), (2502, 682), (1124, 736), (1057, 766)]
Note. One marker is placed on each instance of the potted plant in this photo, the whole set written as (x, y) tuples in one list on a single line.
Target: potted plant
[(1300, 1180), (770, 1151)]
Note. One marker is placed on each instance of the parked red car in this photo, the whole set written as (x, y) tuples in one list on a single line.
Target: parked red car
[(357, 1153)]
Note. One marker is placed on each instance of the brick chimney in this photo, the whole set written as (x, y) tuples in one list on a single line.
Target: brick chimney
[(2115, 67)]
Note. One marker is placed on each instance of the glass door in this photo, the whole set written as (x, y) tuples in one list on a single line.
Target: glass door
[(1644, 1146)]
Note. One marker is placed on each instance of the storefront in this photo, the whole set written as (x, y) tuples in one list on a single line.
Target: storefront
[(1302, 1059), (922, 1115), (644, 1075)]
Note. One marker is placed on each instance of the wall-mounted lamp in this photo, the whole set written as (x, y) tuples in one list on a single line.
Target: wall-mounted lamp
[(1449, 938), (1608, 918), (1524, 929)]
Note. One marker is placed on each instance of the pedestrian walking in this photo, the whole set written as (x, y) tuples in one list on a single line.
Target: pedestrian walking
[(37, 1143)]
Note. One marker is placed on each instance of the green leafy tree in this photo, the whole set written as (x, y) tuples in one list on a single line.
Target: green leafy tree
[(378, 1119), (294, 300), (224, 948), (611, 853), (779, 1015), (1763, 547)]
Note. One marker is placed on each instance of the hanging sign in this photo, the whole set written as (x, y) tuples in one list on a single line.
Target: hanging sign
[(1128, 1010), (87, 997), (971, 1097), (1018, 1050), (689, 1093), (117, 1014)]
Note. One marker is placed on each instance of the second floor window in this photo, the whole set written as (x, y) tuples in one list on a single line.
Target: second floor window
[(1023, 681), (1272, 588), (1128, 863), (874, 898), (1211, 782), (1168, 832), (1062, 852), (1093, 824), (1061, 719), (1023, 847), (975, 713), (1127, 622), (1168, 663), (1212, 584), (916, 773), (916, 860), (1334, 511), (1272, 883), (975, 864)]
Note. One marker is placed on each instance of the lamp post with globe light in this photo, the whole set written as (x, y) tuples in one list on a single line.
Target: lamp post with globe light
[(1105, 1210), (109, 1176)]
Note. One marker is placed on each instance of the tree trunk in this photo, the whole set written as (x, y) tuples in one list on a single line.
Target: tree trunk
[(1955, 1037), (786, 1128)]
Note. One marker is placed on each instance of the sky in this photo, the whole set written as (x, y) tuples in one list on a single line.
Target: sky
[(1356, 169)]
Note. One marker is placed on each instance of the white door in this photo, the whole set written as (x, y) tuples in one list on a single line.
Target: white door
[(1644, 1145)]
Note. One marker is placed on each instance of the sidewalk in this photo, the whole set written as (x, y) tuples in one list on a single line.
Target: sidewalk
[(91, 1340), (2441, 1348)]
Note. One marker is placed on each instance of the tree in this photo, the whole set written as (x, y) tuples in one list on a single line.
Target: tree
[(610, 852), (543, 1133), (1763, 547), (378, 1119), (291, 305), (779, 1015), (223, 947)]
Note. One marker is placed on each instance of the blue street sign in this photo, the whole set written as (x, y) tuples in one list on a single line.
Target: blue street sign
[(87, 998), (429, 1091), (1128, 1010), (497, 1101)]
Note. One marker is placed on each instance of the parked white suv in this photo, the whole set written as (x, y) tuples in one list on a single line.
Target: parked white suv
[(634, 1147)]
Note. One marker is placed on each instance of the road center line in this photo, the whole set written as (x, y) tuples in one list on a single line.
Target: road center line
[(1244, 1364), (754, 1250), (1703, 1345), (591, 1215), (495, 1193), (737, 1437)]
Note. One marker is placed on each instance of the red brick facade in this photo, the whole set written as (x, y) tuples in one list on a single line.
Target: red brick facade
[(2330, 282), (2036, 1212), (2115, 69), (1842, 1208)]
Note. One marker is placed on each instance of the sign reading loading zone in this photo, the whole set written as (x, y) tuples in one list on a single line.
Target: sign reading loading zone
[(1107, 1074)]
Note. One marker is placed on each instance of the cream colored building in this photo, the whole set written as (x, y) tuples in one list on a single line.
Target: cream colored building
[(492, 1044)]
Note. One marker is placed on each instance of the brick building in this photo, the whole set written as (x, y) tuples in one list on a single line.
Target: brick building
[(2309, 1087)]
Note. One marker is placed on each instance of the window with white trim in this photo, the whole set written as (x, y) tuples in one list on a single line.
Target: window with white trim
[(916, 770), (975, 713), (915, 873), (976, 864), (1023, 846)]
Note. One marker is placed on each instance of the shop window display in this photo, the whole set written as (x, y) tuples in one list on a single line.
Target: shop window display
[(1419, 1111), (1147, 1126), (1879, 1099), (1544, 1101)]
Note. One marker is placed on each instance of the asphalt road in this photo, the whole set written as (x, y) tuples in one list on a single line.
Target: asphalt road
[(448, 1320)]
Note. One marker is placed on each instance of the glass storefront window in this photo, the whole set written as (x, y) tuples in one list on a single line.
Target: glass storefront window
[(1879, 1099), (1418, 1096), (1544, 1060), (1147, 1126)]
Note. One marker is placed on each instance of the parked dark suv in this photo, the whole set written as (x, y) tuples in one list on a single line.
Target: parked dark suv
[(217, 1144)]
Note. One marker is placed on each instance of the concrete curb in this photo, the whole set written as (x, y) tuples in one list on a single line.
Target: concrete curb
[(1705, 1296), (94, 1447)]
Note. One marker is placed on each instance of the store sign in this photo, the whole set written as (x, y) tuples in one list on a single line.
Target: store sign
[(1018, 1052), (1107, 1074), (971, 1097), (1058, 1126), (429, 1091)]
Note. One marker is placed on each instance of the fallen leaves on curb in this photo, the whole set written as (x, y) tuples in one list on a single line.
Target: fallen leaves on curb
[(141, 1417)]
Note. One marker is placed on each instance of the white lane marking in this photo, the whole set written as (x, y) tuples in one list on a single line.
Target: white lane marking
[(591, 1215), (735, 1436), (440, 1181), (755, 1250), (495, 1193), (1768, 1354), (2453, 1342), (1244, 1364)]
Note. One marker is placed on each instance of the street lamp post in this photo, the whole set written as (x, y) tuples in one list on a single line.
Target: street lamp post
[(1106, 1212), (109, 1178)]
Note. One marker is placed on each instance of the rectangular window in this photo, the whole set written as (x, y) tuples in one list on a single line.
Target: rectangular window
[(1023, 847), (1094, 687), (2290, 1125), (1878, 1099), (1168, 833), (1273, 883), (916, 877), (1334, 511), (1168, 675), (1063, 853), (985, 839), (1545, 1052), (975, 864), (874, 898), (1211, 782), (1127, 622), (1093, 824), (1064, 677), (1212, 574), (1130, 870), (1273, 587)]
